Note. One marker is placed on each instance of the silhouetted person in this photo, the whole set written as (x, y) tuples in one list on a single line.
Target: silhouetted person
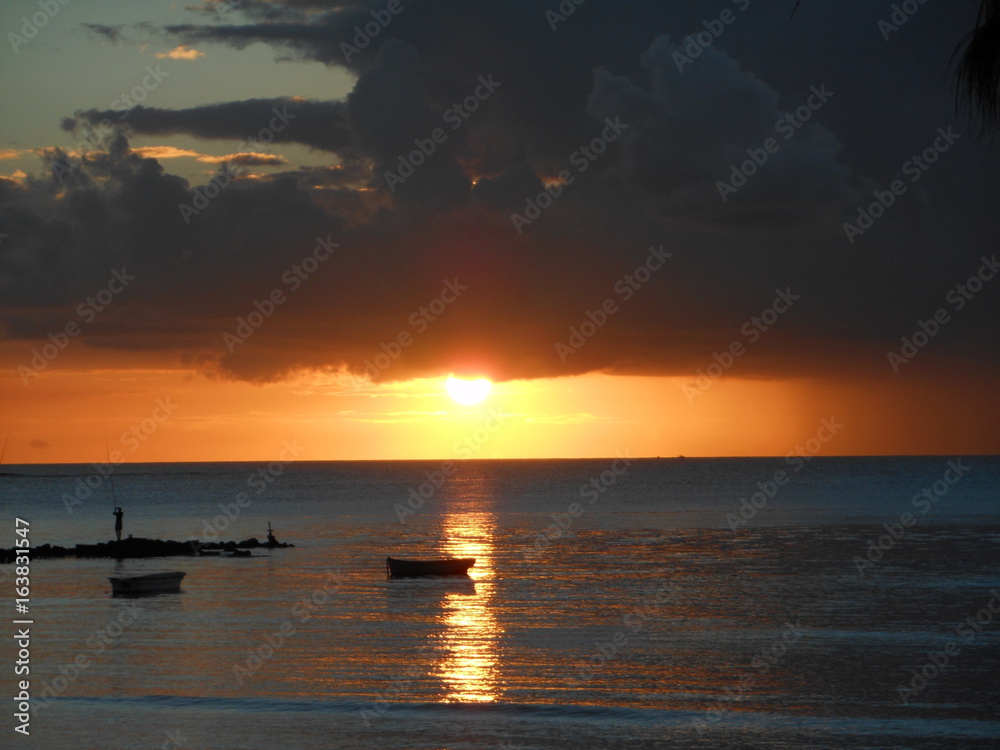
[(271, 541), (118, 522)]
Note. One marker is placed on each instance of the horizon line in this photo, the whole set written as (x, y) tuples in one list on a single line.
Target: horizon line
[(471, 460)]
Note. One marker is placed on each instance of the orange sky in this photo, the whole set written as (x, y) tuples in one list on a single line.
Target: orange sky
[(147, 235), (165, 414)]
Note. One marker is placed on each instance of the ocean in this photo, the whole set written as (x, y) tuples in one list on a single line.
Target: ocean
[(614, 603)]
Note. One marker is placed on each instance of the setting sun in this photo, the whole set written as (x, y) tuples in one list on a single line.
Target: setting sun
[(468, 392)]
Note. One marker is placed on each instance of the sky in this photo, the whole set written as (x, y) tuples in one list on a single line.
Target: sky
[(700, 229)]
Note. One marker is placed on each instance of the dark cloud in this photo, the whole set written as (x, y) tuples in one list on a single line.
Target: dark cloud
[(695, 123), (656, 184), (320, 125)]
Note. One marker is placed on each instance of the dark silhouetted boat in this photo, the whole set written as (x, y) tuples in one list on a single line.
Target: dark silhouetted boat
[(396, 568), (153, 583)]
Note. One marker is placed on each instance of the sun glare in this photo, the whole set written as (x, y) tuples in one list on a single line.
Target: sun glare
[(468, 392)]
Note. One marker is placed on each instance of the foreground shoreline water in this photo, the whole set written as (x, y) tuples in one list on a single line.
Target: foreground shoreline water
[(299, 644)]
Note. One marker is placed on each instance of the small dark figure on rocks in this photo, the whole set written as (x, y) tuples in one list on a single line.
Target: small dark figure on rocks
[(118, 522)]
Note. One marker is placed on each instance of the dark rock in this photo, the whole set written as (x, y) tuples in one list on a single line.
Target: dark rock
[(134, 547)]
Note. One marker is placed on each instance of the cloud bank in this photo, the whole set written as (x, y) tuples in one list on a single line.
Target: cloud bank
[(484, 112)]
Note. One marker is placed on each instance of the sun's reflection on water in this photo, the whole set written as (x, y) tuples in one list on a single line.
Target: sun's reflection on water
[(469, 663)]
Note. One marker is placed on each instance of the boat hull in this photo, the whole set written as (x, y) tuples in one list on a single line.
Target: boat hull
[(154, 583), (397, 568)]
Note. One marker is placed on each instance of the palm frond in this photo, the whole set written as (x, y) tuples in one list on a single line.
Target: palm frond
[(977, 74)]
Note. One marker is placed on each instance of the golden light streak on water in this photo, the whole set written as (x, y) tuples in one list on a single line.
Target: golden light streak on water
[(469, 667)]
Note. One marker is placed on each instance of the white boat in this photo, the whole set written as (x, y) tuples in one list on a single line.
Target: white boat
[(153, 583)]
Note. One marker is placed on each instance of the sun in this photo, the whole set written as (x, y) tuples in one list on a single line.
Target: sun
[(468, 392)]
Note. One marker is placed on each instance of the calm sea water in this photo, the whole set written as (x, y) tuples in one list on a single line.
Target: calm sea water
[(610, 606)]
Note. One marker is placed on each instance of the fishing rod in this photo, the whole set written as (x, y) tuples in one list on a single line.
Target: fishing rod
[(111, 469)]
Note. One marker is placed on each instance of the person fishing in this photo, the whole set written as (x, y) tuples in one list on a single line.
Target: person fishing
[(118, 522), (118, 512)]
